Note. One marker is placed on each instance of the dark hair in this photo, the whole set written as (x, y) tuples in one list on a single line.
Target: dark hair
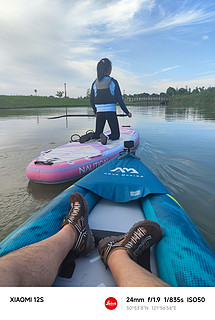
[(104, 66)]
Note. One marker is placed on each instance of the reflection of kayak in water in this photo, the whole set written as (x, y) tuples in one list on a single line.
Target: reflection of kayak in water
[(74, 160), (120, 193)]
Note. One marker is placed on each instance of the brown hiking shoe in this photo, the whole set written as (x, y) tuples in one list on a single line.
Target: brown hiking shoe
[(139, 238), (78, 220)]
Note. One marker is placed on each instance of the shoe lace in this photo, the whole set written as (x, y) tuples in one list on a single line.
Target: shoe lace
[(75, 208), (136, 236)]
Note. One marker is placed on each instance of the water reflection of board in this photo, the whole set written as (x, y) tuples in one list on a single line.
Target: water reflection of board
[(74, 160)]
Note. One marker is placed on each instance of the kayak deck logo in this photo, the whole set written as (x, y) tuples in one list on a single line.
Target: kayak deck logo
[(111, 303), (124, 172)]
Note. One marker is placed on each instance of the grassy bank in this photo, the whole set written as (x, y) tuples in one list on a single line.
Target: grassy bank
[(16, 102), (204, 99)]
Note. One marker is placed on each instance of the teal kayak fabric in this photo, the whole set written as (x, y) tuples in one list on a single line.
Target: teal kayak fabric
[(122, 181), (45, 222), (183, 257)]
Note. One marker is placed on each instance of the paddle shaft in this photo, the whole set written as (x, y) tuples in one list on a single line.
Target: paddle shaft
[(82, 115)]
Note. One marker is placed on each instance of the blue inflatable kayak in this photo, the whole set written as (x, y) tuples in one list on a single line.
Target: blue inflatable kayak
[(120, 193)]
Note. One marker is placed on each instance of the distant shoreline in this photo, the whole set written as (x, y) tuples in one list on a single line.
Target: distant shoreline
[(34, 102), (20, 102), (41, 107), (200, 99)]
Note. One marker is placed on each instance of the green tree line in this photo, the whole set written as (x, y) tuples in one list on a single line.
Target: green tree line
[(171, 92), (200, 96), (184, 97)]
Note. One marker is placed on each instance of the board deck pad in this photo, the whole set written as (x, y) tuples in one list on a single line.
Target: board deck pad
[(74, 151), (68, 153)]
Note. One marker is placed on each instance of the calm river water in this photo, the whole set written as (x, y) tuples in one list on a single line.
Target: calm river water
[(178, 145)]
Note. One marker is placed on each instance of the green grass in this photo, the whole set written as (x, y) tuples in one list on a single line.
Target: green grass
[(204, 99), (16, 102)]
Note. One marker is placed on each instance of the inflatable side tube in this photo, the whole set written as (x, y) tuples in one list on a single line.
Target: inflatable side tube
[(183, 256), (45, 222)]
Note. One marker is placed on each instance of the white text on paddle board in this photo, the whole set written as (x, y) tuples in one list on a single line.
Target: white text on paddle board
[(90, 167)]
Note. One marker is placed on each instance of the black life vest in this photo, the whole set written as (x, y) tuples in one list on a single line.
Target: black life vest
[(104, 95)]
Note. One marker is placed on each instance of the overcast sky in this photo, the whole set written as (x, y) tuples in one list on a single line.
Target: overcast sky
[(153, 44)]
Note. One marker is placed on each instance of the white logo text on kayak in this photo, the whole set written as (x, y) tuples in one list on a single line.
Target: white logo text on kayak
[(125, 170)]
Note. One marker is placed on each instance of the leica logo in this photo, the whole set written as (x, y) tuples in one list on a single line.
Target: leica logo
[(111, 303)]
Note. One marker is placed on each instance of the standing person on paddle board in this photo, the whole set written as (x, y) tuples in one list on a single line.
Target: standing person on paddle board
[(105, 93)]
